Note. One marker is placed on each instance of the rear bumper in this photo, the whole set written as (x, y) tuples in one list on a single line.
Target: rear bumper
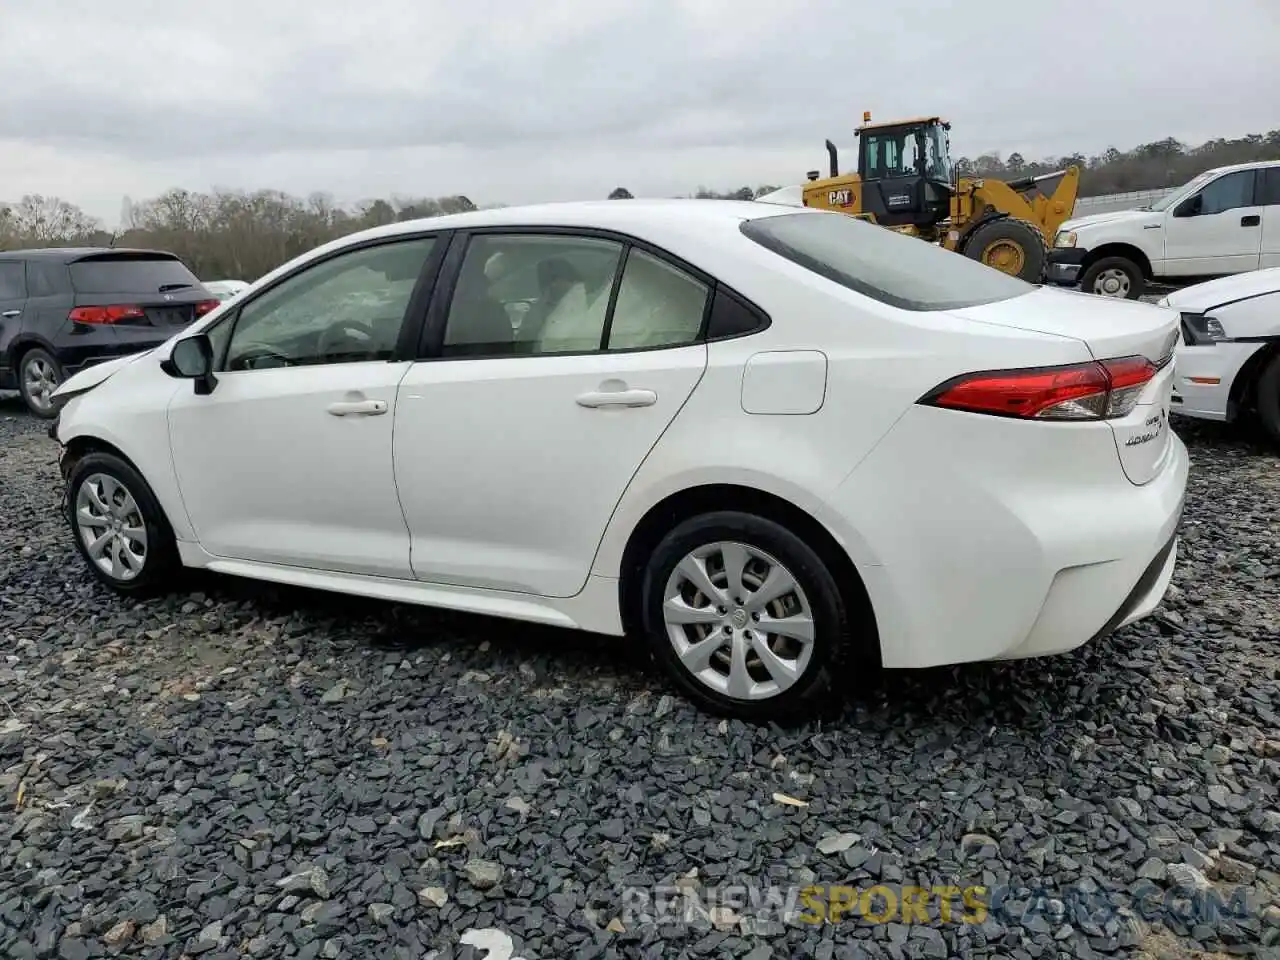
[(1005, 540), (1064, 265)]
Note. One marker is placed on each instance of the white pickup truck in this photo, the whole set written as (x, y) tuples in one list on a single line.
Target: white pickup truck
[(1223, 222)]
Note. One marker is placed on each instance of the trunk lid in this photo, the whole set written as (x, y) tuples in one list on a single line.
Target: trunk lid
[(1110, 329)]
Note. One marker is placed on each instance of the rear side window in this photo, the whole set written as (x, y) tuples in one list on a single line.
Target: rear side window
[(46, 278), (131, 275), (1270, 187), (13, 283), (901, 271)]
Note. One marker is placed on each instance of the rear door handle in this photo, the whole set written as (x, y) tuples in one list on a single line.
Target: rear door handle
[(617, 398), (1252, 220), (358, 408), (9, 314)]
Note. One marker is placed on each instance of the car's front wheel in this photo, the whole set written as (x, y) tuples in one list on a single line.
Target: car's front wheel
[(745, 617), (119, 527)]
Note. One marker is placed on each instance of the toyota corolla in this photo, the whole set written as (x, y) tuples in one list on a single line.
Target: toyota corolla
[(769, 444)]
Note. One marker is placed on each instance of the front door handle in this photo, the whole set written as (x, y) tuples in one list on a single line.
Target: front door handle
[(10, 314), (1252, 220), (617, 398), (358, 408)]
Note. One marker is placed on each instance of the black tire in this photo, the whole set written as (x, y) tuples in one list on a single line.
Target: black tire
[(1006, 231), (1267, 398), (160, 565), (1137, 283), (37, 359), (813, 692)]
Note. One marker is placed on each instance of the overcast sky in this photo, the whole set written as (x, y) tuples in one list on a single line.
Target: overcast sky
[(517, 100)]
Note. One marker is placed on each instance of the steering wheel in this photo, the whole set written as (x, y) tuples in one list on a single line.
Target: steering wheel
[(250, 355), (353, 332)]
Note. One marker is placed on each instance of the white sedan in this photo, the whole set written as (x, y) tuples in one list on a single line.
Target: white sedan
[(770, 444), (1229, 359)]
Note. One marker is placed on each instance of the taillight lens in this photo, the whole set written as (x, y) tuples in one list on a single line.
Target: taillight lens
[(113, 313), (204, 306), (1099, 390)]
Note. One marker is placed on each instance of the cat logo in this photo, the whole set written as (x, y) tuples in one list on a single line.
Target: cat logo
[(840, 198)]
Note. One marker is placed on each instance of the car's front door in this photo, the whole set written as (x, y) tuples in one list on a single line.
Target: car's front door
[(1217, 230), (513, 449), (288, 459)]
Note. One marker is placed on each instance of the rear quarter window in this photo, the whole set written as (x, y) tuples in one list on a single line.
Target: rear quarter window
[(902, 271), (131, 275)]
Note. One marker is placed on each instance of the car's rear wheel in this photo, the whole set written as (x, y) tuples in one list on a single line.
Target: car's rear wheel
[(39, 374), (1116, 277), (119, 527), (1268, 398), (745, 617)]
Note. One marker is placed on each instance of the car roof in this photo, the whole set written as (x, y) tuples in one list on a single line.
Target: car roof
[(72, 254), (625, 216), (1251, 165)]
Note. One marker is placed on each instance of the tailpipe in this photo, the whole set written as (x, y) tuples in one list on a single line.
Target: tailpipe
[(831, 156)]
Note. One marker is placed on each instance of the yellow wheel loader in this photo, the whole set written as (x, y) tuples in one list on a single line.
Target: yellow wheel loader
[(907, 182)]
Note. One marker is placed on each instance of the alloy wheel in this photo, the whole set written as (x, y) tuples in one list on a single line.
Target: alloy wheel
[(40, 379), (738, 620), (111, 526)]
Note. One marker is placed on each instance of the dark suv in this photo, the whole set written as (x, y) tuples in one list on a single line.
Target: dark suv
[(62, 310)]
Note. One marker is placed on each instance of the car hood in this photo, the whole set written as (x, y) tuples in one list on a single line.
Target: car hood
[(1200, 297), (90, 377), (1114, 216)]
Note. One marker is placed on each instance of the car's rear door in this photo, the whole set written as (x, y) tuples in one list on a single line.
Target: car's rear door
[(1269, 186), (288, 459), (513, 449), (13, 301)]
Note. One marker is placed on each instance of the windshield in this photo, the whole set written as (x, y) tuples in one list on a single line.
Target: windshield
[(131, 274), (901, 271), (1176, 194)]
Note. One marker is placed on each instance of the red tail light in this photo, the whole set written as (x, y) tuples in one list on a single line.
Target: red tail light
[(109, 314), (1099, 390), (205, 306)]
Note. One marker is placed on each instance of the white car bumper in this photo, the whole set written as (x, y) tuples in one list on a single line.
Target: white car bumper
[(1007, 540), (1203, 376)]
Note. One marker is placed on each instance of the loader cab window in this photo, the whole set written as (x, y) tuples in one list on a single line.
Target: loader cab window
[(937, 153), (885, 157)]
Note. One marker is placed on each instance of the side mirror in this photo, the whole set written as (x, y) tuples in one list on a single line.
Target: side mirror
[(1189, 207), (192, 359)]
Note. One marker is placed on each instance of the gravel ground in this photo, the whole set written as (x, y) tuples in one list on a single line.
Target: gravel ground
[(250, 771)]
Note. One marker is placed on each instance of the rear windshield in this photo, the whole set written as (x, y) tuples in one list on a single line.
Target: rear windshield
[(131, 275), (887, 266)]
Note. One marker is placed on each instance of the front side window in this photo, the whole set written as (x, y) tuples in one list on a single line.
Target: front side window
[(1230, 192), (345, 309), (882, 264)]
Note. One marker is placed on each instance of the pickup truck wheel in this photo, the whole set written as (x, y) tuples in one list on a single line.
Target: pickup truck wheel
[(1268, 398), (1114, 277)]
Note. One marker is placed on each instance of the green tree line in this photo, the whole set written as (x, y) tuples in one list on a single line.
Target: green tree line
[(242, 235)]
